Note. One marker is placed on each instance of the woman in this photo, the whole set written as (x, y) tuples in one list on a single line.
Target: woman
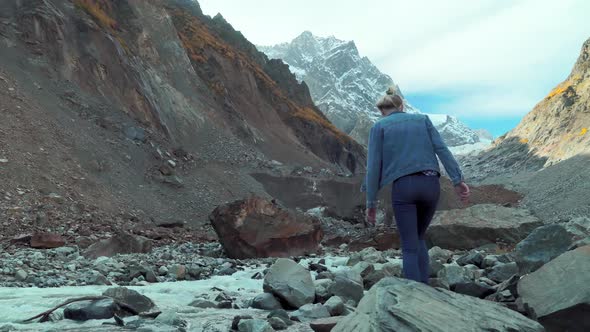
[(402, 150)]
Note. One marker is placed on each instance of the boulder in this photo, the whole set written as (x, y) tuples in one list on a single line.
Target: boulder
[(387, 270), (290, 282), (479, 225), (453, 274), (121, 243), (501, 272), (321, 289), (310, 312), (254, 325), (87, 310), (541, 246), (438, 254), (47, 241), (266, 301), (203, 303), (348, 284), (282, 315), (324, 324), (403, 305), (364, 268), (558, 294), (140, 303), (255, 227), (277, 323), (472, 257), (335, 306)]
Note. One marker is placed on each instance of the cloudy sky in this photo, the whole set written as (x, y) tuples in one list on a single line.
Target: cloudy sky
[(486, 61)]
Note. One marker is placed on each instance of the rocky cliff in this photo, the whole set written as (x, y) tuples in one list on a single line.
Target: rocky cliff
[(149, 106), (555, 130)]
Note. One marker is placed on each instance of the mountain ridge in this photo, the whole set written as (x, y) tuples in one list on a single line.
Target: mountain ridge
[(346, 85)]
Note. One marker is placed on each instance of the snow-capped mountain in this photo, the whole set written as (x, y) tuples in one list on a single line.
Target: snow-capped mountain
[(346, 86)]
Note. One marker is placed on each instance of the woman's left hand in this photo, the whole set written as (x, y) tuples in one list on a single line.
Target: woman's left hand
[(371, 217)]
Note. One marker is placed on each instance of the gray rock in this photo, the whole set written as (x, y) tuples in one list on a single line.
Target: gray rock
[(558, 294), (282, 315), (348, 284), (266, 301), (87, 310), (140, 303), (178, 271), (438, 254), (474, 288), (479, 225), (277, 323), (435, 267), (7, 327), (203, 303), (393, 269), (290, 282), (237, 319), (400, 305), (21, 275), (454, 274), (489, 261), (363, 268), (502, 272), (472, 257), (163, 270), (324, 324), (541, 246), (335, 306), (309, 312), (321, 289), (150, 276), (254, 325), (171, 318)]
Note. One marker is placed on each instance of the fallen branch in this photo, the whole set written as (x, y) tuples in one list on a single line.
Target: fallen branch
[(44, 316)]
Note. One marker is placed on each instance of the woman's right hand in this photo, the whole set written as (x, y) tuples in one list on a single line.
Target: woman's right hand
[(462, 191)]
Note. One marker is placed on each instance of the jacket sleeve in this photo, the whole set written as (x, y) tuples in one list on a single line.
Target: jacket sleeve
[(374, 165), (445, 155)]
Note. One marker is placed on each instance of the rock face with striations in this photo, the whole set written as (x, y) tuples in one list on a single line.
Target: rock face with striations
[(346, 86), (259, 228), (558, 294), (480, 225), (402, 305)]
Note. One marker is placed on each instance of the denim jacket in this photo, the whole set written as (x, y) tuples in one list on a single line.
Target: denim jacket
[(401, 144)]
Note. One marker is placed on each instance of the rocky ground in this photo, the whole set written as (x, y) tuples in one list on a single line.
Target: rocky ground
[(336, 286)]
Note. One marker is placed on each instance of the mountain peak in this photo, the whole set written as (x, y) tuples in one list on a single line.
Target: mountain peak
[(346, 86)]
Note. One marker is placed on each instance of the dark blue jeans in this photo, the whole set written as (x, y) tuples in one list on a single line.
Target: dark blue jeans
[(414, 199)]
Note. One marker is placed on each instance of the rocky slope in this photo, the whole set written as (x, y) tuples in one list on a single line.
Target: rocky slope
[(147, 111), (346, 86), (554, 131)]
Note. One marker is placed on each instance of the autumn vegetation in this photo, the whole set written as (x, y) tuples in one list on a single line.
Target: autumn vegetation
[(199, 41)]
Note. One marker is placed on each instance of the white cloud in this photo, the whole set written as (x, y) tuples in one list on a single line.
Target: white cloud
[(503, 55)]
